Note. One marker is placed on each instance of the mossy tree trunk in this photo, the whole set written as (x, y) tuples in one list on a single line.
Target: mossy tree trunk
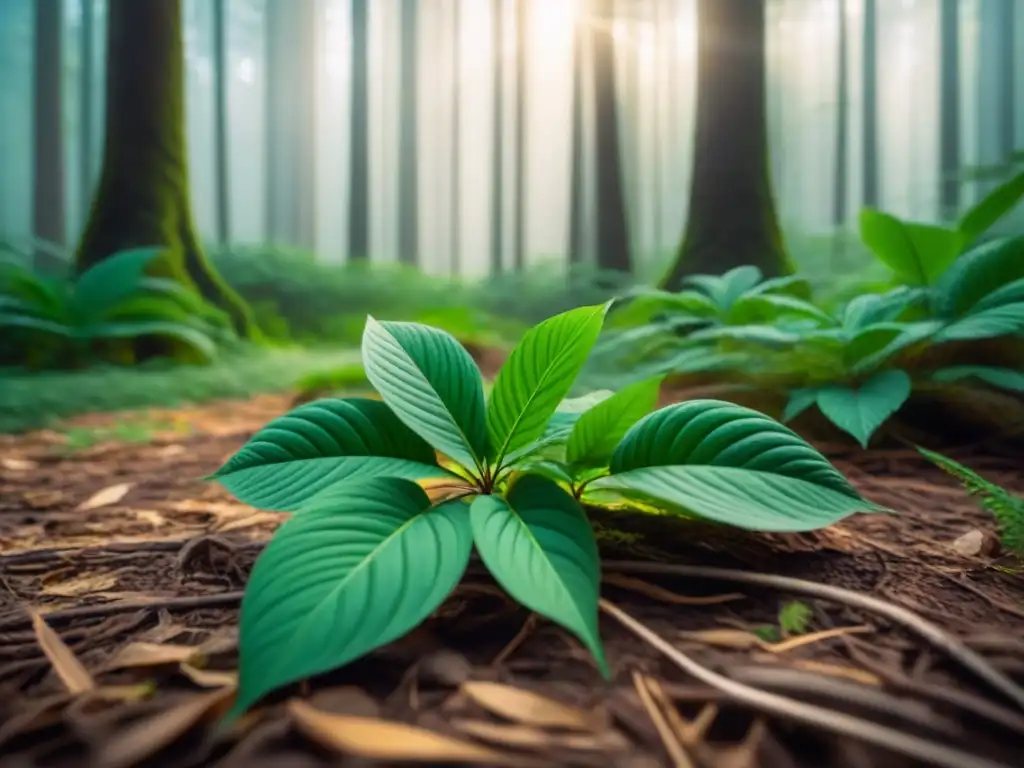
[(143, 194), (732, 219)]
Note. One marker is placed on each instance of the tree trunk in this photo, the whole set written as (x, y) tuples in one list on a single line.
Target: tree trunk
[(221, 72), (576, 188), (359, 138), (291, 76), (612, 244), (498, 138), (143, 196), (519, 225), (949, 105), (842, 116), (408, 160), (732, 220), (869, 129), (48, 207), (1010, 83), (456, 140), (86, 84)]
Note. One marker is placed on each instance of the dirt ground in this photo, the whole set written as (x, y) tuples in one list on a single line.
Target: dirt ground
[(892, 640)]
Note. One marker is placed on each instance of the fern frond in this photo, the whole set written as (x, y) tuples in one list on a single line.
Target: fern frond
[(1005, 507)]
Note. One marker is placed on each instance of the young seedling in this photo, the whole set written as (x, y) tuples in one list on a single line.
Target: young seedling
[(390, 497)]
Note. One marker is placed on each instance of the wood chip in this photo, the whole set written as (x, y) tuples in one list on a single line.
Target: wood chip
[(69, 669)]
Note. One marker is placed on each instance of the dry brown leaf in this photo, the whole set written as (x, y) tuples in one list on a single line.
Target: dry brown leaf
[(663, 595), (110, 495), (835, 670), (148, 736), (383, 740), (725, 638), (209, 678), (136, 655), (18, 465), (150, 516), (169, 451), (88, 584), (69, 669), (529, 737), (670, 738), (530, 708), (253, 519)]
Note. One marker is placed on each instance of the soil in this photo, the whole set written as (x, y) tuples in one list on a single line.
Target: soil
[(135, 566)]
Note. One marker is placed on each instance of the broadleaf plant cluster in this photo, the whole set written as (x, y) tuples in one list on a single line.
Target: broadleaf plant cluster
[(954, 319), (390, 497)]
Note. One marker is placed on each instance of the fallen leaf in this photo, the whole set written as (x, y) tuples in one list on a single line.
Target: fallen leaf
[(170, 451), (106, 497), (136, 655), (835, 670), (89, 584), (970, 544), (69, 669), (724, 638), (209, 678), (148, 736), (530, 737), (528, 707), (18, 465), (383, 740), (663, 595), (150, 516), (253, 519)]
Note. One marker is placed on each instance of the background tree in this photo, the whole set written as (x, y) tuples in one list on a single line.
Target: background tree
[(578, 159), (497, 137), (456, 139), (732, 219), (221, 73), (611, 242), (408, 162), (522, 59), (143, 194), (48, 210), (359, 135), (842, 130), (869, 127)]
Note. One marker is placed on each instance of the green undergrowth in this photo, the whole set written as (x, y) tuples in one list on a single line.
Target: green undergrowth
[(32, 401)]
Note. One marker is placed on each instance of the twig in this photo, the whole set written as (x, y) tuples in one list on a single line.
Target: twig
[(914, 747), (937, 637)]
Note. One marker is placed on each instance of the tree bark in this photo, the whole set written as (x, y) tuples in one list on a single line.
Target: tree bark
[(48, 209), (408, 160), (143, 195), (842, 116), (732, 219), (612, 243), (359, 127), (221, 73)]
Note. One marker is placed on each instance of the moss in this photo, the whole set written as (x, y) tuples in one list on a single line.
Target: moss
[(143, 193)]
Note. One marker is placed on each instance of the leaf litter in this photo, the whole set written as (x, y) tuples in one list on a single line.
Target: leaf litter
[(154, 656)]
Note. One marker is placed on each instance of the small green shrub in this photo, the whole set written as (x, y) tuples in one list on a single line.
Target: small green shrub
[(53, 320), (390, 497)]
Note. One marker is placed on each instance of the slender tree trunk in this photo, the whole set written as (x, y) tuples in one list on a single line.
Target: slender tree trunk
[(612, 241), (576, 188), (869, 129), (221, 72), (732, 219), (291, 77), (1011, 81), (48, 209), (842, 117), (143, 194), (86, 88), (456, 140), (498, 138), (408, 161), (522, 58), (359, 147), (949, 101)]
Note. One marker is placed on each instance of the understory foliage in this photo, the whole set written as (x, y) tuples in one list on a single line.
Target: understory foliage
[(953, 320), (1005, 507), (390, 497), (56, 320)]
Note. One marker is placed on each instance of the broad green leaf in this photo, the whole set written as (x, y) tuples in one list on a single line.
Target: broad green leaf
[(599, 430), (721, 434), (110, 281), (1005, 320), (799, 401), (766, 335), (39, 324), (768, 307), (876, 344), (353, 572), (757, 500), (871, 308), (539, 372), (978, 273), (540, 548), (553, 470), (1001, 378), (796, 286), (1000, 201), (320, 445), (643, 306), (860, 411), (1011, 293), (431, 383), (725, 289), (917, 253)]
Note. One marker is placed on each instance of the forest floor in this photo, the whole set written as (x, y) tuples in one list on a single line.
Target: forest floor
[(122, 571)]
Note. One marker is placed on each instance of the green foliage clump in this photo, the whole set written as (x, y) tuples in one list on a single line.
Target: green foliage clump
[(390, 497), (955, 321), (1005, 507), (56, 321)]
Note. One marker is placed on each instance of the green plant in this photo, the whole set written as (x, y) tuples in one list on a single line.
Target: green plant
[(53, 320), (1005, 507), (390, 497)]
